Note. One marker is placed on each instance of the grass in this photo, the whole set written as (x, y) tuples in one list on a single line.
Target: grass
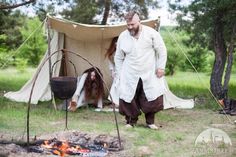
[(176, 137), (11, 79)]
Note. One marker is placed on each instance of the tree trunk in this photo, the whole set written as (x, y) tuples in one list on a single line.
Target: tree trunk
[(220, 58), (106, 12), (229, 59)]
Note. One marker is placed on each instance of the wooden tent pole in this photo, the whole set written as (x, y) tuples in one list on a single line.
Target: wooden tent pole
[(50, 63)]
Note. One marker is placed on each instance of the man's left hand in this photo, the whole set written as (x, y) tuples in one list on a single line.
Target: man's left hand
[(160, 73)]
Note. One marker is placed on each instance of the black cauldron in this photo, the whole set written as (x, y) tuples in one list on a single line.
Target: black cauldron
[(63, 87)]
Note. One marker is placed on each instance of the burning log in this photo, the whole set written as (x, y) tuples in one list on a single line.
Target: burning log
[(21, 143), (63, 144), (62, 148)]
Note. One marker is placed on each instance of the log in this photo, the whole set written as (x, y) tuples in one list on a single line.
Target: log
[(22, 143)]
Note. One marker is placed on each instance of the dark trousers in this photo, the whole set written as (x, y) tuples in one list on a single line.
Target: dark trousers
[(140, 104)]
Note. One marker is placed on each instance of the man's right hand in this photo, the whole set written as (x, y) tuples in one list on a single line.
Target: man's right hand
[(160, 73)]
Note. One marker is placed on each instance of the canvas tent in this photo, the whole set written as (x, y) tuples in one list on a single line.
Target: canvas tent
[(91, 42)]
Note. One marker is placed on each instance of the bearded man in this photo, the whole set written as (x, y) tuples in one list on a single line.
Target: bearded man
[(140, 61)]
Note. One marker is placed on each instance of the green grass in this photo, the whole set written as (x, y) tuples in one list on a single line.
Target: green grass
[(176, 137), (197, 85), (11, 79), (189, 84)]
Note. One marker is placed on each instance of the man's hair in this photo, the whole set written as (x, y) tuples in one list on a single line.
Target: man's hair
[(129, 16)]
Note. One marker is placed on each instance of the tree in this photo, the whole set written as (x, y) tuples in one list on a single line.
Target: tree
[(10, 25), (10, 36), (15, 29), (106, 11), (33, 50), (11, 4), (82, 11), (198, 56), (212, 24), (175, 58), (99, 11), (40, 7)]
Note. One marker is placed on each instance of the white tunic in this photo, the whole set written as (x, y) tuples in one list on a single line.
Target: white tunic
[(114, 91), (139, 58)]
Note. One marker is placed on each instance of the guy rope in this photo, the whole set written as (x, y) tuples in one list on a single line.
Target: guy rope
[(184, 53)]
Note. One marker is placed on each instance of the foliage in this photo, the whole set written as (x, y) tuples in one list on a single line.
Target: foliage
[(30, 52), (197, 55), (212, 25), (198, 19), (11, 4), (90, 11), (178, 51), (21, 64), (82, 11), (34, 48), (88, 8), (120, 7), (173, 41), (10, 35)]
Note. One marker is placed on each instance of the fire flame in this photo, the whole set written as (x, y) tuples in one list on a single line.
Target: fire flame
[(62, 148)]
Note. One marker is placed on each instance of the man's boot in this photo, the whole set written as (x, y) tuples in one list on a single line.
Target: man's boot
[(233, 108), (227, 108)]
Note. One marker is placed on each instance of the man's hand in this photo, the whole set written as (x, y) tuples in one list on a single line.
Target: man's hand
[(160, 73)]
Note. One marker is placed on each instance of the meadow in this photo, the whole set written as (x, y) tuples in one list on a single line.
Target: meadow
[(178, 131)]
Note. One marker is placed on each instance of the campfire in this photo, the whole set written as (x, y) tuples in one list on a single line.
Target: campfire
[(64, 148), (64, 143)]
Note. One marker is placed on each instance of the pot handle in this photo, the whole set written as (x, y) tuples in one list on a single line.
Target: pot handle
[(69, 62)]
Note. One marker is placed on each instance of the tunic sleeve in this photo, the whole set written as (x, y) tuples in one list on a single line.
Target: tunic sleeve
[(161, 52), (119, 57), (80, 83)]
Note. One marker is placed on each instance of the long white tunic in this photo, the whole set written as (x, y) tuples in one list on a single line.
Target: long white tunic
[(114, 91), (139, 58)]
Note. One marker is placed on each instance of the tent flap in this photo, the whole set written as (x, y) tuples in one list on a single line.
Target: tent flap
[(85, 32)]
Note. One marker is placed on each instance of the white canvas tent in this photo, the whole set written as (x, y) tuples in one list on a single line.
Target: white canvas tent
[(91, 42)]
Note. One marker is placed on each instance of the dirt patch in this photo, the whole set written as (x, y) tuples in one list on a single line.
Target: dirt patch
[(176, 137)]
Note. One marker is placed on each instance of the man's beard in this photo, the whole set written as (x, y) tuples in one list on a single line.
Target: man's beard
[(134, 31)]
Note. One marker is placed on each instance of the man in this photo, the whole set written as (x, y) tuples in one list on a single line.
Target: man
[(140, 62)]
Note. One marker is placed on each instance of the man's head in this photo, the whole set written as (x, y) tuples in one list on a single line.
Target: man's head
[(133, 22)]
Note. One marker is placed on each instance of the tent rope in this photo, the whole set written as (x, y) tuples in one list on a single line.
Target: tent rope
[(18, 49), (185, 54)]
